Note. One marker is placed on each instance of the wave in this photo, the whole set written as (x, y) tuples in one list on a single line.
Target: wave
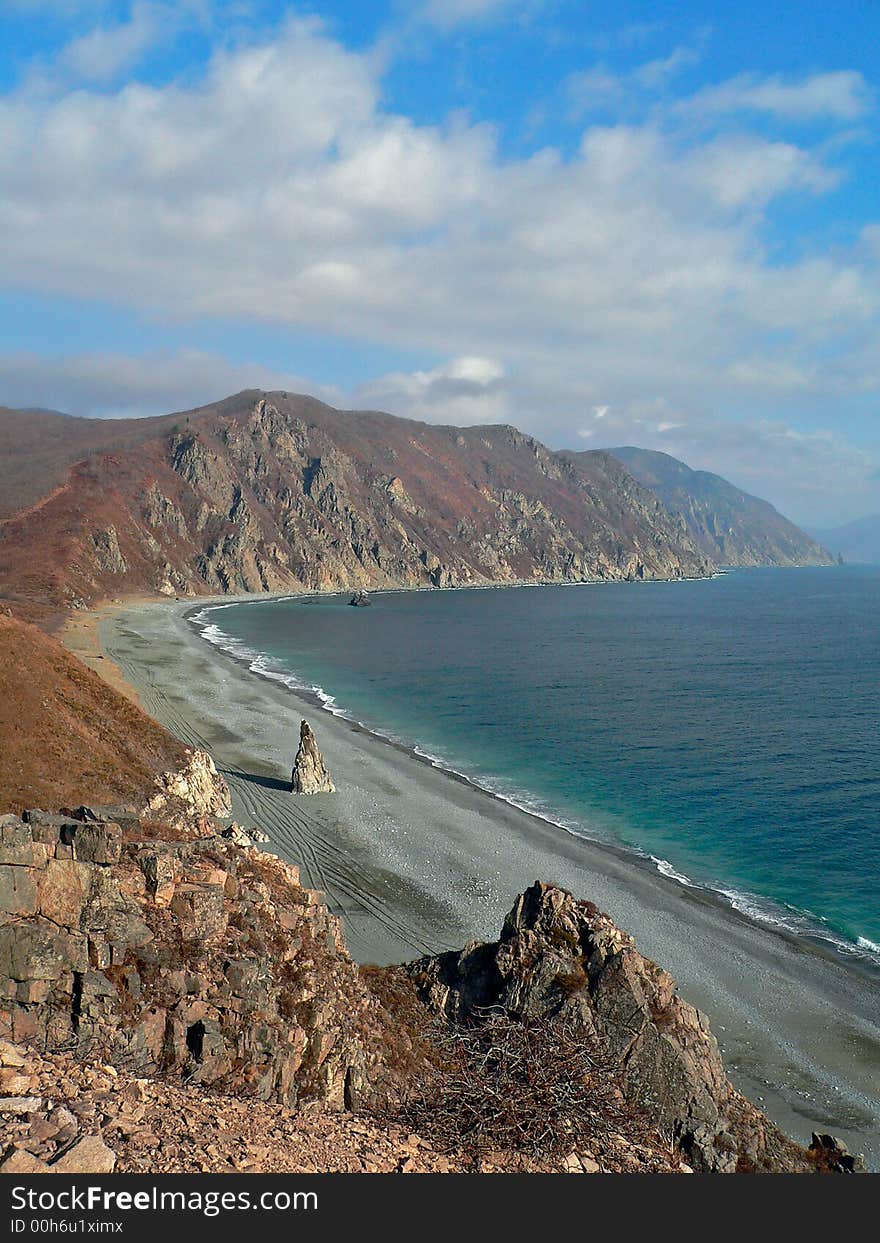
[(761, 910)]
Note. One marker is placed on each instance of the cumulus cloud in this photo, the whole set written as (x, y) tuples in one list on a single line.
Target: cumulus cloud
[(462, 391), (632, 274)]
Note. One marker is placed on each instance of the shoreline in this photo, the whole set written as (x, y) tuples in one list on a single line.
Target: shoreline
[(853, 954), (80, 634), (417, 859)]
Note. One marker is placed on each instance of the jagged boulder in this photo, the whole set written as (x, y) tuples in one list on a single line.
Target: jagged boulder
[(833, 1155), (193, 796), (244, 837), (560, 956), (310, 775)]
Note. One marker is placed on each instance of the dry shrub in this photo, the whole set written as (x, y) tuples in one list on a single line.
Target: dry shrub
[(539, 1087)]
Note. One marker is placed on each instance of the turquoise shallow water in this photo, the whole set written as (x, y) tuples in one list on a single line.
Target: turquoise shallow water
[(728, 728)]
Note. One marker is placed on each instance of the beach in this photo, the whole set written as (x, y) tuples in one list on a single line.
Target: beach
[(415, 860)]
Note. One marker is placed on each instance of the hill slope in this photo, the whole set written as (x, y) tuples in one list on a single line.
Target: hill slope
[(857, 541), (65, 736), (38, 446), (279, 492), (729, 526)]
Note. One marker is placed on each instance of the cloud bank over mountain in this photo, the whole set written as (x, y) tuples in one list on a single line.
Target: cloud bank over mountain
[(635, 265)]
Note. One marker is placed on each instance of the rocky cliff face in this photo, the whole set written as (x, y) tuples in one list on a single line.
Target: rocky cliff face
[(728, 525), (197, 958), (561, 959), (128, 958), (190, 797), (275, 492)]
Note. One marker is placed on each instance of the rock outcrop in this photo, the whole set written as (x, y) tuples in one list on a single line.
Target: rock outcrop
[(198, 958), (157, 987), (194, 795), (360, 600), (560, 957), (309, 774)]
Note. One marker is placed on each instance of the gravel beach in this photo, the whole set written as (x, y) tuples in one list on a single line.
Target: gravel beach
[(415, 860)]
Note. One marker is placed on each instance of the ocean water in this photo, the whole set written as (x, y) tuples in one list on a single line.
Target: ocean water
[(728, 729)]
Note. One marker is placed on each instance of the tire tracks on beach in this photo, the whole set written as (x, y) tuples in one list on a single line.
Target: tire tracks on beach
[(296, 836), (303, 840)]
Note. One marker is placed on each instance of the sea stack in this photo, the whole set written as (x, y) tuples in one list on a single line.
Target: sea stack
[(360, 600), (309, 774)]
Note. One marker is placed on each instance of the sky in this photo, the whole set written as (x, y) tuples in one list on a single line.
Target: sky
[(606, 224)]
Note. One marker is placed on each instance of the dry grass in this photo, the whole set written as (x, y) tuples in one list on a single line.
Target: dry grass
[(65, 736)]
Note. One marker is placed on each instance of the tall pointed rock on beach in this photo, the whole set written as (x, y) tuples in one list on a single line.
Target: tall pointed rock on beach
[(309, 774)]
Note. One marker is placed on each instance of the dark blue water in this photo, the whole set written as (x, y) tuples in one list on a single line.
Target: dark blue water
[(730, 728)]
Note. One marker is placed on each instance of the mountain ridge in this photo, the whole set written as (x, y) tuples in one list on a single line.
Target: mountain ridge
[(281, 492), (274, 491), (729, 525)]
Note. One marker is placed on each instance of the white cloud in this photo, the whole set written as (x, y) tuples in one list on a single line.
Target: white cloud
[(105, 51), (449, 13), (814, 476), (462, 391), (596, 87), (840, 96), (657, 73), (601, 87), (632, 276)]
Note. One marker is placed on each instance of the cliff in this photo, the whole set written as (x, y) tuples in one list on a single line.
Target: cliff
[(187, 1004), (278, 492), (729, 526)]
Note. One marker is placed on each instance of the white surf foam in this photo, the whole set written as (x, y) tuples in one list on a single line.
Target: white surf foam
[(759, 910)]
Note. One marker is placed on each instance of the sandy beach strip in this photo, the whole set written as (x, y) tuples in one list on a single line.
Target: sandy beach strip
[(415, 861)]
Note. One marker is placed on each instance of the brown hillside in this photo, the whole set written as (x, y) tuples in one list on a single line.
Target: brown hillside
[(38, 446), (279, 492), (65, 736)]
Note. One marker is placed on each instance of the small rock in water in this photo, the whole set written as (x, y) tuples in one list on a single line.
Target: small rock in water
[(360, 600), (309, 774)]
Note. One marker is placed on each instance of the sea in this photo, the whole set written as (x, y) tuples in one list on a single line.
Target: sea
[(725, 730)]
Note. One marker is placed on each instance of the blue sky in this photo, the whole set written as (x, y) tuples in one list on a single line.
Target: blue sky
[(607, 224)]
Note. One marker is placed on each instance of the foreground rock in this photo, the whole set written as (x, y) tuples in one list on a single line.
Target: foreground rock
[(309, 774), (103, 1118), (190, 1001), (194, 795), (203, 1014), (561, 958), (195, 957)]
